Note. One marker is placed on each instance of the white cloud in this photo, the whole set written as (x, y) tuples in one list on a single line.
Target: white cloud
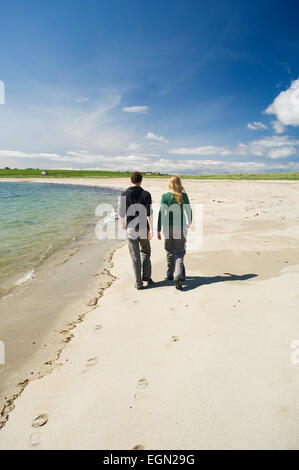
[(131, 158), (20, 154), (76, 156), (88, 122), (203, 150), (278, 127), (136, 109), (157, 138), (70, 156), (206, 166), (165, 165), (256, 125), (147, 163), (133, 146), (61, 124), (282, 152), (270, 147), (286, 107), (81, 99), (85, 157)]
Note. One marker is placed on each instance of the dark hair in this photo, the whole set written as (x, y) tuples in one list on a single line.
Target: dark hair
[(136, 177)]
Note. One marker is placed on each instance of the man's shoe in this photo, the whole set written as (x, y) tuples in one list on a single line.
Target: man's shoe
[(149, 281), (178, 285), (139, 287)]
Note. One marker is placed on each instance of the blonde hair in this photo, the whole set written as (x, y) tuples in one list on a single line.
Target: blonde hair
[(176, 188)]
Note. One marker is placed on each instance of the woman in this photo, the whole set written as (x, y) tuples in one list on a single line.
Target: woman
[(175, 216)]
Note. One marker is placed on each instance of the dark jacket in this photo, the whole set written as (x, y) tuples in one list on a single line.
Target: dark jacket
[(134, 195)]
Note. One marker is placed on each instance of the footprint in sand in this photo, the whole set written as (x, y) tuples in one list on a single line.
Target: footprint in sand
[(142, 383), (172, 312), (90, 363), (173, 339), (34, 439), (92, 302), (138, 447), (98, 327), (140, 396), (40, 420)]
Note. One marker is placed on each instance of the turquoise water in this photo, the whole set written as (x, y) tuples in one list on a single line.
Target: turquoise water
[(36, 218)]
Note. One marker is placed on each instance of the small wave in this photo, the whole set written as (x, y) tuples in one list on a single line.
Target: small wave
[(25, 278), (5, 296)]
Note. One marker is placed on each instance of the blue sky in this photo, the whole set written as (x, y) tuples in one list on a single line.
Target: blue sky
[(171, 86)]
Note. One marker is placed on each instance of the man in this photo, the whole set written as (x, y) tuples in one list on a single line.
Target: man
[(136, 217)]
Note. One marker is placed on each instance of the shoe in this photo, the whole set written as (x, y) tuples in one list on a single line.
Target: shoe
[(169, 277), (149, 281), (139, 287), (178, 285)]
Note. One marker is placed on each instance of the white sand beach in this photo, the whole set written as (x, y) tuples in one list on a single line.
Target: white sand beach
[(208, 367)]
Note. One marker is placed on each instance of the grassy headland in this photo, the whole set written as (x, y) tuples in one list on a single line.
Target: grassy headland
[(34, 173)]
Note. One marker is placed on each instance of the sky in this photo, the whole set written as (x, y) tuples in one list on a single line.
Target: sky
[(175, 86)]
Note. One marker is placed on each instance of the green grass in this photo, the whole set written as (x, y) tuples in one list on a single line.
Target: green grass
[(62, 174), (30, 173)]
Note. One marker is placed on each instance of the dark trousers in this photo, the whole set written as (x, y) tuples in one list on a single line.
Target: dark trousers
[(175, 252), (140, 251)]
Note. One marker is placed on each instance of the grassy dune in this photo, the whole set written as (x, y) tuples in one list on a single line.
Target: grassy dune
[(28, 173)]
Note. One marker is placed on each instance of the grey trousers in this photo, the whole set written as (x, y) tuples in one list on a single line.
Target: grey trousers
[(175, 252), (141, 263)]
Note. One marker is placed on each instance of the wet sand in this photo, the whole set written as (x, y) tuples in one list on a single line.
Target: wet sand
[(37, 318)]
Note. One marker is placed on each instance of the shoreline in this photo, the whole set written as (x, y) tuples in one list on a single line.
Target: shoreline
[(18, 279), (100, 181), (70, 181), (57, 337), (29, 308)]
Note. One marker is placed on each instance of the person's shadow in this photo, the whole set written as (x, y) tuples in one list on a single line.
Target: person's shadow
[(192, 282)]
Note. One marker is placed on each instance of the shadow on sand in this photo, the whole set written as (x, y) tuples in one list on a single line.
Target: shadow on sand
[(192, 282)]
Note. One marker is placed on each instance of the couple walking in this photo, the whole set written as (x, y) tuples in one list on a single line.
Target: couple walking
[(175, 216)]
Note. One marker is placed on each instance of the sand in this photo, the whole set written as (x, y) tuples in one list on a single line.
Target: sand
[(206, 368), (37, 317)]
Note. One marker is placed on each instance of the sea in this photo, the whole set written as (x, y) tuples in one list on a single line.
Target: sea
[(38, 218)]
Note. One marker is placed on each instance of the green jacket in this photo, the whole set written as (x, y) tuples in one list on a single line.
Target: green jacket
[(166, 211)]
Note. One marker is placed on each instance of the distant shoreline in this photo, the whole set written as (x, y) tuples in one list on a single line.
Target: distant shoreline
[(91, 174)]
